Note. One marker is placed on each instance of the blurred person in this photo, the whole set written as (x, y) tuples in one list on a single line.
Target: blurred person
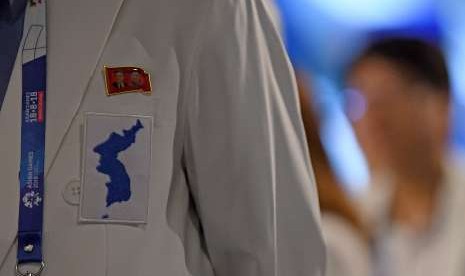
[(402, 87), (346, 236)]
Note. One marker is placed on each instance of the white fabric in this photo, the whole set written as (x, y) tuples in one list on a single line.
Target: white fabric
[(439, 251), (348, 253), (231, 190)]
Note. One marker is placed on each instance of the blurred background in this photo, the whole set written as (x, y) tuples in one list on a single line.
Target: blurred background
[(323, 36), (385, 121)]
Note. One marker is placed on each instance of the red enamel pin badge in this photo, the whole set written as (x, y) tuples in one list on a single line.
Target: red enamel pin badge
[(122, 80)]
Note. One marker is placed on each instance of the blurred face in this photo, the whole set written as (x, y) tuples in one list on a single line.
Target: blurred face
[(400, 126)]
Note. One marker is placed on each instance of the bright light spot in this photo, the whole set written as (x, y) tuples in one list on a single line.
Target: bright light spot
[(356, 105), (372, 13)]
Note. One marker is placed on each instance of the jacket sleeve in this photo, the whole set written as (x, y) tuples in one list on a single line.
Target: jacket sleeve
[(245, 153)]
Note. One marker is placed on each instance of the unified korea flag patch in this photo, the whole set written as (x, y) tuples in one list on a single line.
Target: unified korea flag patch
[(116, 168)]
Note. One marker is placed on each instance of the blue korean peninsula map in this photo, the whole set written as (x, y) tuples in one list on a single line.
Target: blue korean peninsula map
[(119, 186)]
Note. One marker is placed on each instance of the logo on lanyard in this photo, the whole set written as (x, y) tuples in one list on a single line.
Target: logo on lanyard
[(32, 199)]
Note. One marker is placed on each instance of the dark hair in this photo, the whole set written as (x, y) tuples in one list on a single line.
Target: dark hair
[(418, 59)]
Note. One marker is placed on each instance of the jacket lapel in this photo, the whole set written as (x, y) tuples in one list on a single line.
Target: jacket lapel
[(77, 33)]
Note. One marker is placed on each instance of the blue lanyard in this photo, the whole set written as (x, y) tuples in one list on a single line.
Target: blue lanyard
[(31, 176)]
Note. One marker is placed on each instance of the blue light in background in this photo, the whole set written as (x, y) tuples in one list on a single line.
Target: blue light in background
[(452, 17), (338, 138), (373, 13), (323, 36)]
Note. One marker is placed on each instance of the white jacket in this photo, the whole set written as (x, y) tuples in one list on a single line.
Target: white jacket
[(231, 190)]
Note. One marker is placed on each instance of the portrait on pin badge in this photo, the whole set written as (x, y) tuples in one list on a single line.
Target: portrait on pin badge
[(116, 168), (126, 79)]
